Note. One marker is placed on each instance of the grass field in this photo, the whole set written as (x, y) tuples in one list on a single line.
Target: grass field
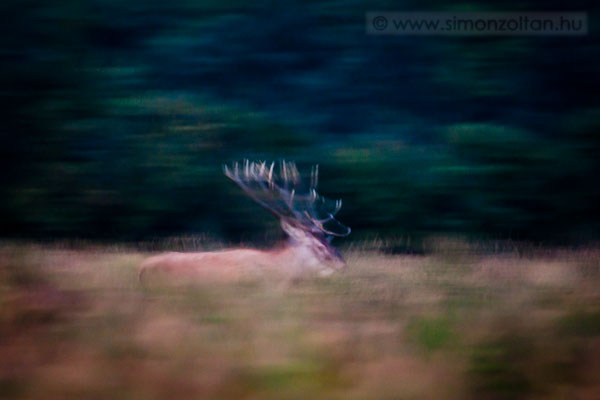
[(456, 323)]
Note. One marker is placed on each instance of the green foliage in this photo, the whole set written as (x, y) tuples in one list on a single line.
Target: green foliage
[(581, 324), (497, 369), (117, 118), (431, 333)]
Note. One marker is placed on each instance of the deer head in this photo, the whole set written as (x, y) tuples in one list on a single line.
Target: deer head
[(306, 217)]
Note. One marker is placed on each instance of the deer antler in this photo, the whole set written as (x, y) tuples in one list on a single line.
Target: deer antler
[(284, 195)]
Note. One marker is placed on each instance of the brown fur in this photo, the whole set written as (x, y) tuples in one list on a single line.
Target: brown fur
[(287, 263)]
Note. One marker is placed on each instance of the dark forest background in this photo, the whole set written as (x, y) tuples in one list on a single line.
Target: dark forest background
[(118, 115)]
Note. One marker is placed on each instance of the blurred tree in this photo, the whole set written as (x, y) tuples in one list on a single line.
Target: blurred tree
[(117, 118)]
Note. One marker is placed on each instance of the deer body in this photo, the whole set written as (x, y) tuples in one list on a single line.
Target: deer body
[(307, 251), (288, 263)]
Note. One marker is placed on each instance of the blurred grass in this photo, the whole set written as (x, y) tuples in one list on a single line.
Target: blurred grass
[(464, 320)]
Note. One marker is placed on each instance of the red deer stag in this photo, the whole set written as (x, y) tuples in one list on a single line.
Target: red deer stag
[(306, 217)]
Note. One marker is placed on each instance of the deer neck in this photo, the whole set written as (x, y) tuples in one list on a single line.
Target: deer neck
[(297, 257)]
